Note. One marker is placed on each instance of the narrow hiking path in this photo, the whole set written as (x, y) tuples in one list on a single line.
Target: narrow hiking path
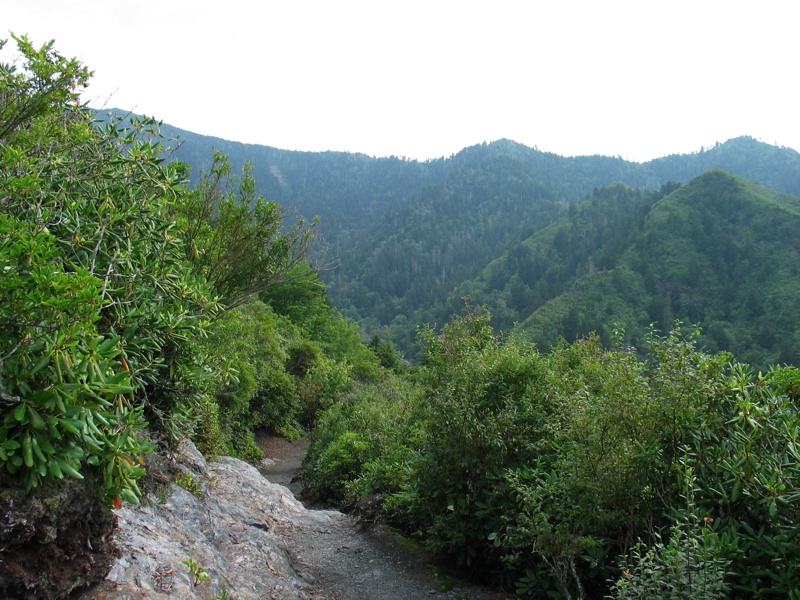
[(344, 561), (282, 460)]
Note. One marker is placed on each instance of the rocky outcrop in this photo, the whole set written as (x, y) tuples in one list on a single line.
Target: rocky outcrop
[(225, 540), (225, 532)]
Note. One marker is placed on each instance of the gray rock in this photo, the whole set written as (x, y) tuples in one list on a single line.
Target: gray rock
[(236, 534), (254, 540), (188, 455)]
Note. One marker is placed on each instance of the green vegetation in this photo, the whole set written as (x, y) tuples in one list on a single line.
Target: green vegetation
[(198, 573), (583, 244), (719, 252), (189, 483), (135, 310), (571, 471), (236, 239), (363, 442), (689, 565), (412, 238), (100, 315), (130, 301)]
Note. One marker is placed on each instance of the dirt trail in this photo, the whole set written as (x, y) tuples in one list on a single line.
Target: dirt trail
[(282, 460), (345, 562)]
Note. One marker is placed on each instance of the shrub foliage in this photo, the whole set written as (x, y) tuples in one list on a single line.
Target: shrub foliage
[(539, 471), (128, 300), (100, 316)]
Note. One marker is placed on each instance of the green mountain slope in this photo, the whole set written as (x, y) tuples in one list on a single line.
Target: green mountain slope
[(721, 252), (591, 237), (412, 259), (407, 268), (407, 235), (352, 193), (772, 166), (348, 191)]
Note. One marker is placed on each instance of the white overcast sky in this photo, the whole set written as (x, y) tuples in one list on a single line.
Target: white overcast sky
[(423, 79)]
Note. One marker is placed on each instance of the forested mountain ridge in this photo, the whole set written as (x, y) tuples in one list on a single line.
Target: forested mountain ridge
[(402, 272), (406, 271), (349, 191), (352, 191), (407, 235), (720, 252), (774, 167), (590, 237)]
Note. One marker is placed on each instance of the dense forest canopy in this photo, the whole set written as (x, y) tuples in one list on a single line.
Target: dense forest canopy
[(719, 252)]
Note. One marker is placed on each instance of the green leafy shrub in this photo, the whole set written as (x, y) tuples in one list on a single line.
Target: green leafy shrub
[(557, 465), (253, 345), (785, 380), (387, 354), (748, 478), (687, 566), (197, 571), (100, 314), (690, 564), (476, 427), (190, 484), (340, 339), (523, 466), (362, 443), (322, 385), (236, 239), (339, 462)]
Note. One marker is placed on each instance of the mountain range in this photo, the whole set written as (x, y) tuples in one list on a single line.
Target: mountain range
[(554, 246)]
